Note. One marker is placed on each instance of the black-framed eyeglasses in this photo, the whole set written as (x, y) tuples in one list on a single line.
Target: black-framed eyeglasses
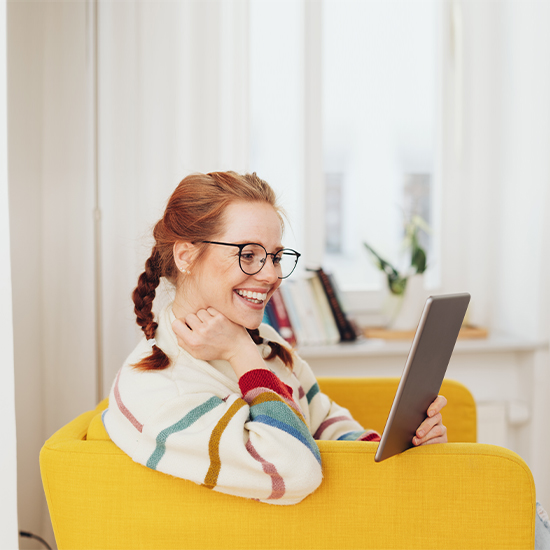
[(252, 258)]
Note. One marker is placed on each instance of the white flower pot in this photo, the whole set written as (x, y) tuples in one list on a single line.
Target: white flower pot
[(403, 312)]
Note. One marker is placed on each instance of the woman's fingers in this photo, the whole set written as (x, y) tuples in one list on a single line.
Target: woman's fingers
[(200, 320), (432, 429), (205, 315), (438, 404), (181, 329), (208, 335), (428, 433)]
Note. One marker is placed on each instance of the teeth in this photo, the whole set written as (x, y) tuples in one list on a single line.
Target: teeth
[(257, 297)]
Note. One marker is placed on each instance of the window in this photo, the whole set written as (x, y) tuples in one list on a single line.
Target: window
[(379, 118)]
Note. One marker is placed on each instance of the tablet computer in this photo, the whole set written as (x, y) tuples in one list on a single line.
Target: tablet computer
[(424, 370)]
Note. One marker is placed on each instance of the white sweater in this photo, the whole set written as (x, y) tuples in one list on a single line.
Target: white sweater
[(253, 437)]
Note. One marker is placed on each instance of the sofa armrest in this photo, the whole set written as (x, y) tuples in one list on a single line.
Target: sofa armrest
[(456, 495)]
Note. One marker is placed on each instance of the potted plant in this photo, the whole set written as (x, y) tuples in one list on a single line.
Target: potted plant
[(406, 286)]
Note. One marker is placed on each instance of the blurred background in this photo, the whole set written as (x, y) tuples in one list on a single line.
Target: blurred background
[(357, 112)]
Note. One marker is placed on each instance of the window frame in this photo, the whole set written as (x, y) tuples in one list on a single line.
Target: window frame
[(366, 304)]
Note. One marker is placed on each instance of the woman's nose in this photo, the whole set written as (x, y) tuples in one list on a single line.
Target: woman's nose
[(268, 272)]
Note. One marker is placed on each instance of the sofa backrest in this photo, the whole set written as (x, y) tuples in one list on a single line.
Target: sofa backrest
[(369, 401)]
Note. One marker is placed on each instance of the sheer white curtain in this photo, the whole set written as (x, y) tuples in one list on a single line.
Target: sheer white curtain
[(496, 189), (173, 99), (8, 468)]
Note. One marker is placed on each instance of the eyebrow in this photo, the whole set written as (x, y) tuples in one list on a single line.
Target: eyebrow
[(278, 247)]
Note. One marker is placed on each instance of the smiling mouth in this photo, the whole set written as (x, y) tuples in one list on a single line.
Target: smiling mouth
[(254, 297)]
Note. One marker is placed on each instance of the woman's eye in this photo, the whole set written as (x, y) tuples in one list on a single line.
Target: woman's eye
[(276, 260), (247, 256)]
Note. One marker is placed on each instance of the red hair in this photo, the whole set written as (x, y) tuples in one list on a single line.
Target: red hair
[(194, 213)]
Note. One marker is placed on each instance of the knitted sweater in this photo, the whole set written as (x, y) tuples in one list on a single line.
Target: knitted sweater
[(252, 437)]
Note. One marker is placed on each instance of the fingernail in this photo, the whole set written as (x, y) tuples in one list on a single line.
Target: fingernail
[(431, 412), (420, 433)]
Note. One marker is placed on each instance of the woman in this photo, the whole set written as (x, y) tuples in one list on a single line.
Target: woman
[(206, 396)]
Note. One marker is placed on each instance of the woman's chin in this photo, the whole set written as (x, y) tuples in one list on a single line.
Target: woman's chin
[(249, 321), (252, 325)]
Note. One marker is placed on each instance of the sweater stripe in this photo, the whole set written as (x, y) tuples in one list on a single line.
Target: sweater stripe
[(313, 391), (266, 379), (133, 420), (324, 425), (356, 436), (293, 431), (211, 478), (189, 419), (278, 410), (370, 435), (260, 395), (301, 392), (270, 405), (277, 482)]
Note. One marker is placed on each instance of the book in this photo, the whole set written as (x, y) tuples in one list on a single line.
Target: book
[(299, 333), (345, 327), (269, 316), (282, 318), (332, 335), (312, 334), (313, 314)]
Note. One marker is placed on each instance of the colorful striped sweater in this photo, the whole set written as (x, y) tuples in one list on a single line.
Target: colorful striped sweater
[(253, 437)]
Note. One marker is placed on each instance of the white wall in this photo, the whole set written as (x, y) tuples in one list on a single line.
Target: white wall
[(8, 463)]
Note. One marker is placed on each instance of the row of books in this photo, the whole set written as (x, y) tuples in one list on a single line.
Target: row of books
[(308, 311)]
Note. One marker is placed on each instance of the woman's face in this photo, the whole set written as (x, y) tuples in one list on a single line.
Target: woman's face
[(217, 280)]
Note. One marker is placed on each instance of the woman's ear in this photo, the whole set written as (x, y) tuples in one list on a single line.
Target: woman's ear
[(184, 254)]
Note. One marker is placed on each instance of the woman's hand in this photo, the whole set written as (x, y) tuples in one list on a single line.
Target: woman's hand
[(432, 429), (210, 335)]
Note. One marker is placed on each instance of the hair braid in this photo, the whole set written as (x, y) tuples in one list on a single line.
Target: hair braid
[(277, 350), (143, 297)]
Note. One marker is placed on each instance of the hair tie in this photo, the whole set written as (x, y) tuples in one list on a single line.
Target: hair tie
[(277, 350), (152, 342)]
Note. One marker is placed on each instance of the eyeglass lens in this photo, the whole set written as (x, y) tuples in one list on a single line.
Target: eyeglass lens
[(253, 257)]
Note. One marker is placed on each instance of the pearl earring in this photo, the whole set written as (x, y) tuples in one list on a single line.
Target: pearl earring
[(185, 271)]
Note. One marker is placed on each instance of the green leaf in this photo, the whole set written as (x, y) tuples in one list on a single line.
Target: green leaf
[(418, 259), (383, 264)]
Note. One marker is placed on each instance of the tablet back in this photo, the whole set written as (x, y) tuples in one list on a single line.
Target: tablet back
[(424, 371)]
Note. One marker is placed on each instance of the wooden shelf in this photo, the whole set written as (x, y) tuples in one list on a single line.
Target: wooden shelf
[(466, 332)]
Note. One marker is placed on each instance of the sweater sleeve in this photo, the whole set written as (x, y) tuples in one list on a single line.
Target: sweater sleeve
[(328, 419), (255, 444)]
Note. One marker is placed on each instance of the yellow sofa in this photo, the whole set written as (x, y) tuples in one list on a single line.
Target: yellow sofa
[(457, 495)]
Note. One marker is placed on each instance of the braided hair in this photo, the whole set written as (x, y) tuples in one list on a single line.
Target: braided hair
[(277, 350), (194, 213)]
